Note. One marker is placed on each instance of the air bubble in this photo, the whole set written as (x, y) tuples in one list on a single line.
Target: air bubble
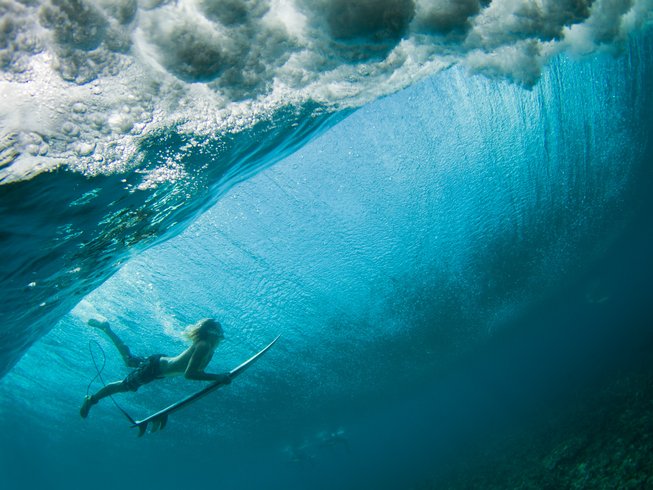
[(79, 108), (85, 149), (121, 122), (138, 128), (97, 120), (70, 129)]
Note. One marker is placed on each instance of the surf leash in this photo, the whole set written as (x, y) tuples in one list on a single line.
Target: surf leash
[(99, 376)]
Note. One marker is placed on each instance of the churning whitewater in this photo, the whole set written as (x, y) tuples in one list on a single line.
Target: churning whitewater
[(83, 83)]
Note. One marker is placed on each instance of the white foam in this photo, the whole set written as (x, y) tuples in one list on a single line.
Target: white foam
[(83, 82)]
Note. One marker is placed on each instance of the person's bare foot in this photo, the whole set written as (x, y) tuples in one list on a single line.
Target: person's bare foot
[(98, 324), (86, 406)]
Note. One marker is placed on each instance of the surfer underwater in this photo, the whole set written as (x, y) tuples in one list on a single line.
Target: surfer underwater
[(205, 336)]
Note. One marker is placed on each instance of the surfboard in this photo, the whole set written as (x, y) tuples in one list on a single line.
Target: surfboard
[(160, 418)]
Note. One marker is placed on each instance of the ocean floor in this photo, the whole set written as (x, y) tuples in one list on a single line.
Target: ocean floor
[(599, 440)]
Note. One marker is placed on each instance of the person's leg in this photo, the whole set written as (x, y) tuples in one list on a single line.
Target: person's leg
[(129, 359), (108, 390)]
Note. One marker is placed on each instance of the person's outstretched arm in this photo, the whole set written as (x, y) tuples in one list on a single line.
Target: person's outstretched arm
[(195, 369)]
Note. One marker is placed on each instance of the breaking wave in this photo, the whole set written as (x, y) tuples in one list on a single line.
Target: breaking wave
[(123, 120)]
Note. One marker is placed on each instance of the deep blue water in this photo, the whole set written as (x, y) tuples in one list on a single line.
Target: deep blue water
[(447, 266)]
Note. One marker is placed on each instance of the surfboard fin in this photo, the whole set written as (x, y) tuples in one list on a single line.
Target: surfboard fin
[(159, 422)]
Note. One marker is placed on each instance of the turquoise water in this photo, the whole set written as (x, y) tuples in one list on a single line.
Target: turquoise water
[(459, 272)]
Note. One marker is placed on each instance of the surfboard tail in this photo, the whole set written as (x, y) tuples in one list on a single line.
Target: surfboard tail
[(158, 423)]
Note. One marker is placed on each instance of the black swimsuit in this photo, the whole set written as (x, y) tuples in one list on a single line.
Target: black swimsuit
[(148, 370)]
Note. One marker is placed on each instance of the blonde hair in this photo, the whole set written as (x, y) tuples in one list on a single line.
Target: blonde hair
[(205, 329)]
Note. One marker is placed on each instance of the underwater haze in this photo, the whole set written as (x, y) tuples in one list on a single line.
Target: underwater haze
[(443, 209)]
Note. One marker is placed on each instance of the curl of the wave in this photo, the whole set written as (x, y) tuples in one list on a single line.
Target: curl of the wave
[(121, 120)]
